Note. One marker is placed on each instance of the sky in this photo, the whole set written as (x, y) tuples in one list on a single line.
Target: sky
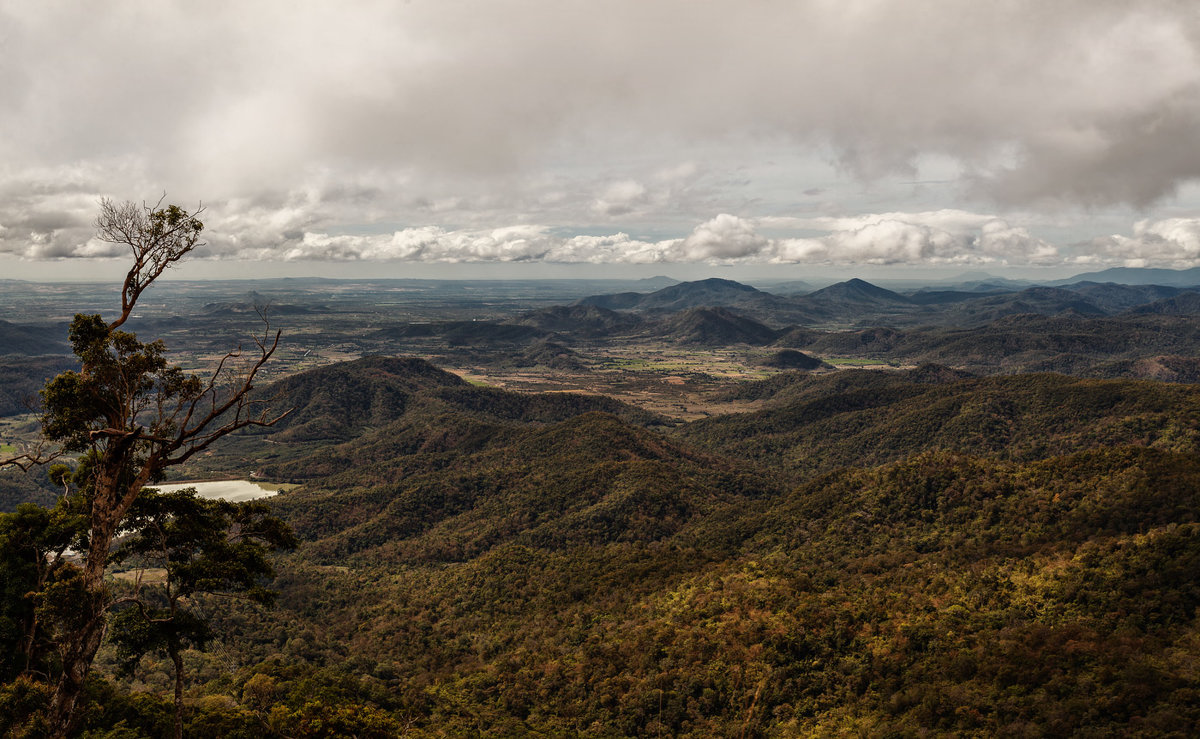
[(558, 138)]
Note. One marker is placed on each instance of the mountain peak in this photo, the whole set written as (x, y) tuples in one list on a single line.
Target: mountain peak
[(711, 291), (720, 282), (860, 291)]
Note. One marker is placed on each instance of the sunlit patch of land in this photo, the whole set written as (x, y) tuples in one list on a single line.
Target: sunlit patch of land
[(858, 362), (680, 383), (144, 576)]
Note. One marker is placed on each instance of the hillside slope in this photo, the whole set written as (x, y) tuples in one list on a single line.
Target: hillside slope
[(818, 423), (589, 577), (874, 553)]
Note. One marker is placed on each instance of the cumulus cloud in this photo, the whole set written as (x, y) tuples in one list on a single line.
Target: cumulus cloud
[(511, 244), (942, 237), (723, 238), (1172, 243), (937, 237), (302, 228)]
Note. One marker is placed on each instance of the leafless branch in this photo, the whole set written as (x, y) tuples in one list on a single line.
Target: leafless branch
[(156, 241), (197, 433), (28, 460)]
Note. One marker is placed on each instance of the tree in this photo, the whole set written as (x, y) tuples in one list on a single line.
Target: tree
[(211, 547), (33, 545), (129, 414)]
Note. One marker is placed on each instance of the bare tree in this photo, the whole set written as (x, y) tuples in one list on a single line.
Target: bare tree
[(158, 237), (129, 415)]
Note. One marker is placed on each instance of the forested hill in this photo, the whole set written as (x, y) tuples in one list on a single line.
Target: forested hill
[(28, 340), (820, 422), (386, 406), (591, 480), (872, 553), (24, 377), (338, 401), (1021, 563), (1014, 343)]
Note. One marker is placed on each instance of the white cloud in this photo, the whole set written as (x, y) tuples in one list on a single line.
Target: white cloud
[(942, 237), (302, 227), (936, 237), (512, 244), (1172, 243), (723, 238)]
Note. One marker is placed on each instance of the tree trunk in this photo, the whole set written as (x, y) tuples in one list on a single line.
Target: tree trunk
[(30, 641), (76, 661), (85, 641), (31, 626), (177, 658)]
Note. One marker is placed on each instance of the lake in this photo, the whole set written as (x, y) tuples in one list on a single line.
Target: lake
[(236, 491)]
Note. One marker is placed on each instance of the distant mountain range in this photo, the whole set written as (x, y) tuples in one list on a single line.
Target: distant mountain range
[(711, 292), (1139, 276), (857, 302), (1085, 327)]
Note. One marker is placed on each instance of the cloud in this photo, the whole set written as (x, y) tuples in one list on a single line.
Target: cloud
[(1138, 158), (934, 237), (511, 244), (724, 238), (941, 237), (1078, 101), (1172, 243), (621, 198), (329, 129), (44, 223), (287, 231)]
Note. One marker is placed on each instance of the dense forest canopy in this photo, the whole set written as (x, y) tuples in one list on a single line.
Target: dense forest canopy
[(819, 549), (872, 552)]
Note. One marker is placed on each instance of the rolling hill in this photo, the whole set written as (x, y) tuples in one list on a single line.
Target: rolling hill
[(393, 404), (583, 321), (855, 294), (819, 422), (1139, 276), (1113, 298), (21, 379), (1023, 536), (790, 359), (1183, 304), (32, 339), (711, 293), (701, 293), (868, 553), (712, 327)]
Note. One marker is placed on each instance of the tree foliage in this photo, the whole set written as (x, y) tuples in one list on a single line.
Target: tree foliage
[(203, 547), (129, 414)]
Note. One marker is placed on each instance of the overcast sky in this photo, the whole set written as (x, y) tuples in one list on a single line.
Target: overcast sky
[(667, 137)]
